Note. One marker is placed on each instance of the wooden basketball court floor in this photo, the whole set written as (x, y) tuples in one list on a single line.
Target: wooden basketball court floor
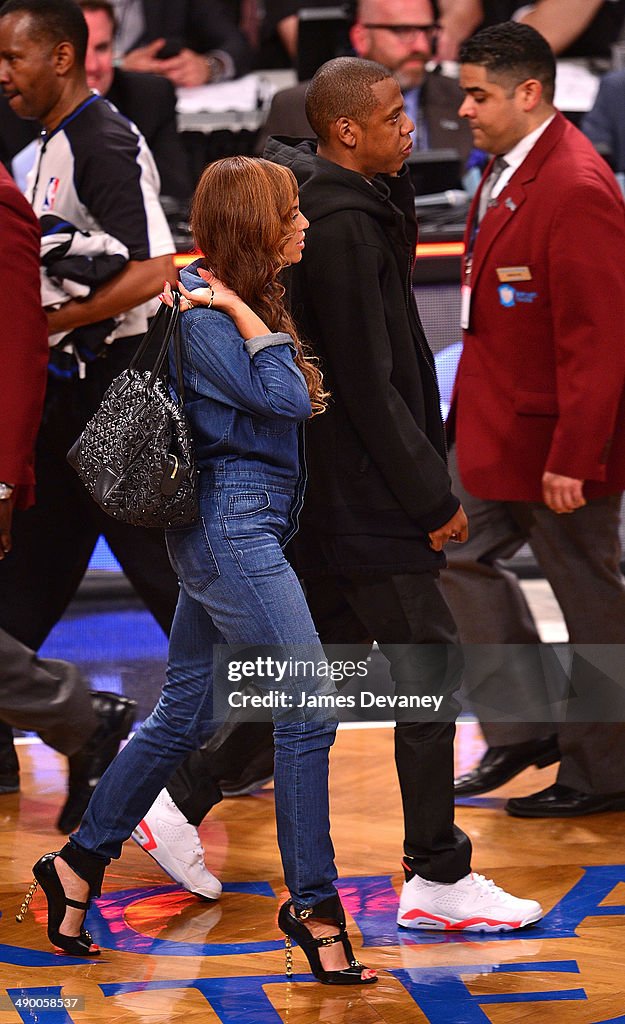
[(167, 957)]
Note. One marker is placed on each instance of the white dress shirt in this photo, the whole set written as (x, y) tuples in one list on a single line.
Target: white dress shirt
[(517, 155)]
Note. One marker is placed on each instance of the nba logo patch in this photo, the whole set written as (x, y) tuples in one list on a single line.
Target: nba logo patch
[(49, 198)]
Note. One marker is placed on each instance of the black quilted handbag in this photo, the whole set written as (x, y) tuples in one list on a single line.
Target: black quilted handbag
[(135, 456)]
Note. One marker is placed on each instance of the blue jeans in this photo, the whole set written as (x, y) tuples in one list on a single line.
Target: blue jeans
[(236, 588)]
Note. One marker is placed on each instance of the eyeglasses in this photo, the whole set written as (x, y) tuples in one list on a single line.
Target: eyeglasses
[(408, 33)]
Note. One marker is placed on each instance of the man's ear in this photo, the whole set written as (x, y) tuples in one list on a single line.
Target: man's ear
[(64, 57), (346, 131), (358, 37), (531, 92)]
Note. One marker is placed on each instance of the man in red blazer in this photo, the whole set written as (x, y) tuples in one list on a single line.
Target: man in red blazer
[(538, 421), (24, 361), (49, 696), (23, 352)]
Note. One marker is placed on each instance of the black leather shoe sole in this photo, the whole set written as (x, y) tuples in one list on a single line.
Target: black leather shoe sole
[(563, 803), (500, 764), (9, 783)]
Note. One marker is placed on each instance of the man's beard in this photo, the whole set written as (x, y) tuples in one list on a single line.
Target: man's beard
[(412, 76)]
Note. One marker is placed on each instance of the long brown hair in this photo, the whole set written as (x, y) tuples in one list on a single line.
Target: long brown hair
[(241, 217)]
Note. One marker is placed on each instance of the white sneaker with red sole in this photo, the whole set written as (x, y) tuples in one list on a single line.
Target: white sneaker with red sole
[(472, 904), (174, 843)]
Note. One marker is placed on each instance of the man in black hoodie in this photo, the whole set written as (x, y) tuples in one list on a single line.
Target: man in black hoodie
[(379, 507)]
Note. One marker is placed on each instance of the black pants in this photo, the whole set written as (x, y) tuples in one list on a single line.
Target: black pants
[(54, 540), (401, 612)]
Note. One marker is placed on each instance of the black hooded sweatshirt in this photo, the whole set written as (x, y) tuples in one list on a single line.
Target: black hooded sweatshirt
[(377, 475)]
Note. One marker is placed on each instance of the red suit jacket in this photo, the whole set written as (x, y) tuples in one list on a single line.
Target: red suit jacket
[(23, 340), (541, 380)]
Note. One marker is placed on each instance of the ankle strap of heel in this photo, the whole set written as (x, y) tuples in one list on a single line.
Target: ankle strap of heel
[(330, 909), (86, 865), (77, 904)]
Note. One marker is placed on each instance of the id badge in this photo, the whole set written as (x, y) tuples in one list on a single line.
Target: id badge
[(465, 306)]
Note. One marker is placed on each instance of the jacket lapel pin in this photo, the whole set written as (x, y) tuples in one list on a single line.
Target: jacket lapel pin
[(510, 204)]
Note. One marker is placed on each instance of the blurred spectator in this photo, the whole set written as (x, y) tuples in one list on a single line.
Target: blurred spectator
[(149, 101), (190, 42), (605, 123), (573, 28), (278, 29), (16, 136), (282, 23), (401, 34)]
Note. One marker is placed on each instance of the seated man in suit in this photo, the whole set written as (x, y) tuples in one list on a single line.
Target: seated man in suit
[(279, 30), (573, 28), (149, 101), (605, 123), (401, 34), (191, 42)]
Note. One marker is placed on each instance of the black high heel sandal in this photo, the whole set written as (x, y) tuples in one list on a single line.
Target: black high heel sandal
[(330, 910), (45, 875)]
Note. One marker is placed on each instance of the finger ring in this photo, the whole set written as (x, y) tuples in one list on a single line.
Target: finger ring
[(190, 305)]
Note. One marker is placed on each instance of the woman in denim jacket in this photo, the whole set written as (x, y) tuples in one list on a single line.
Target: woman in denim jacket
[(248, 388)]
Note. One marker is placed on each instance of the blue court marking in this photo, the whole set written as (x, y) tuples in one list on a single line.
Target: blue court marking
[(33, 1013), (494, 803), (20, 956), (439, 992)]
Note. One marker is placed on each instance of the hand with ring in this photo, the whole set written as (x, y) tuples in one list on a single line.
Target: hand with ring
[(215, 295), (186, 302)]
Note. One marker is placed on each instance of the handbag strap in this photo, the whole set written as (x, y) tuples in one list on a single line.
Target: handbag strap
[(178, 355), (165, 322)]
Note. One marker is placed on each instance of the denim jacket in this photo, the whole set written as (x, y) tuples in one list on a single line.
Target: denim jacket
[(244, 400)]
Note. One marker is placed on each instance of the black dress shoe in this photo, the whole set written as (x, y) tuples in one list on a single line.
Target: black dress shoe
[(9, 765), (563, 802), (499, 764), (87, 766)]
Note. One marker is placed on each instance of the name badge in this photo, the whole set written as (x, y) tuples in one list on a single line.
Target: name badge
[(506, 274)]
